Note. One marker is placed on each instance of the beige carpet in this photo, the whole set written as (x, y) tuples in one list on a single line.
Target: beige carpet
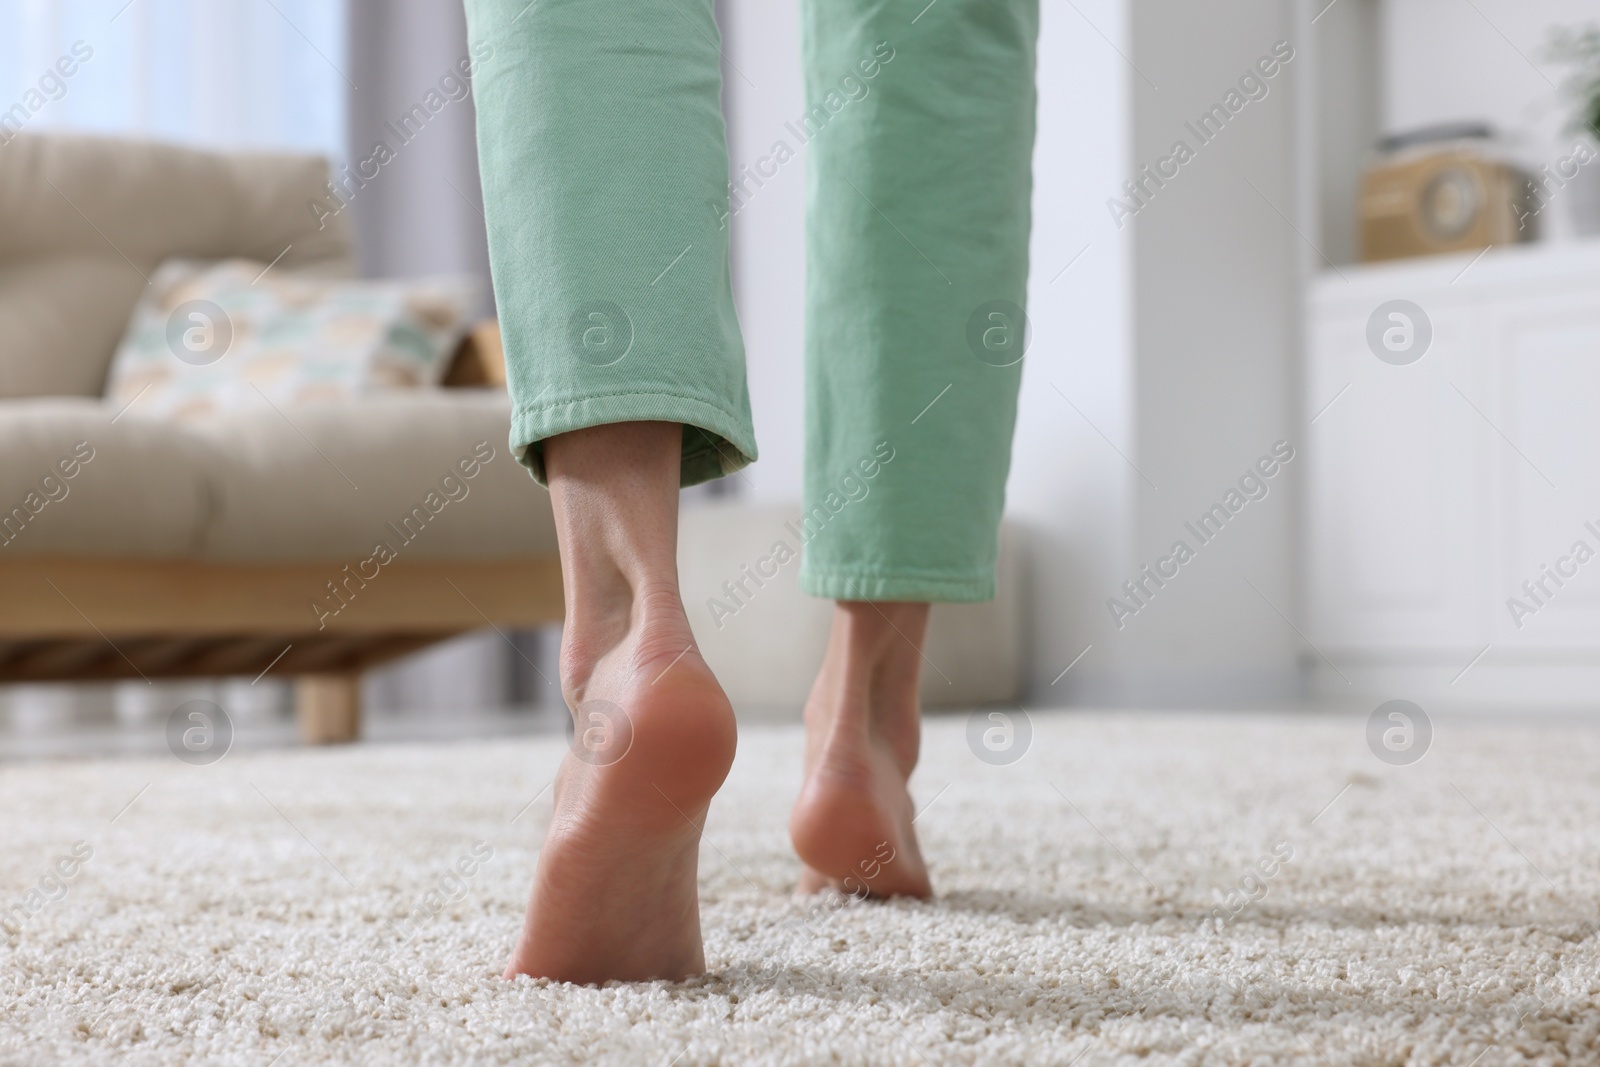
[(275, 909)]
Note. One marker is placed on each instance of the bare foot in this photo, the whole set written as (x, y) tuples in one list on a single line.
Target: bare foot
[(615, 893), (852, 822), (615, 896)]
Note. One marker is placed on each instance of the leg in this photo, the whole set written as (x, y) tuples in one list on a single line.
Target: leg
[(327, 707), (605, 177), (852, 823), (615, 892), (917, 260), (605, 185)]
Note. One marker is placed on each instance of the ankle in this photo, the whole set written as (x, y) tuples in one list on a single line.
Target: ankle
[(868, 687), (650, 614), (875, 650), (614, 490)]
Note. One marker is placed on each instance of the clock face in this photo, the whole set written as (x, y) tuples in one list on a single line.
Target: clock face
[(1451, 203)]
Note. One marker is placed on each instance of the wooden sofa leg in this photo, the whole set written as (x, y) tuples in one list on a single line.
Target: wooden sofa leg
[(328, 707)]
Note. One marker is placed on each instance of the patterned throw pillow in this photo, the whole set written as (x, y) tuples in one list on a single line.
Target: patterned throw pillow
[(208, 337)]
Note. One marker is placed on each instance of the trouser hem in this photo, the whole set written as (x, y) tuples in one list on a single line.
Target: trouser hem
[(854, 585), (716, 441)]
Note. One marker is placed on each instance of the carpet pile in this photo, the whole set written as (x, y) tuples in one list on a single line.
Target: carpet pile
[(1187, 889)]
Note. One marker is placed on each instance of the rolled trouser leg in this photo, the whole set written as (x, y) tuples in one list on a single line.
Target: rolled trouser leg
[(920, 139), (605, 181)]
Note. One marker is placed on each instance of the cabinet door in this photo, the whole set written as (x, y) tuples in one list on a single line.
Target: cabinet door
[(1546, 368), (1398, 486)]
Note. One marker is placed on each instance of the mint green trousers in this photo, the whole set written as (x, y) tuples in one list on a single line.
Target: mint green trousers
[(607, 196)]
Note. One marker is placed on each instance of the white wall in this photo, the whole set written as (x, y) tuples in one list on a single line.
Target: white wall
[(1067, 484), (762, 91), (1345, 70), (1446, 60), (1217, 289)]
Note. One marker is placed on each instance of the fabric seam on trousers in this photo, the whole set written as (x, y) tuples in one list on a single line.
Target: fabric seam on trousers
[(553, 404), (728, 426), (846, 585)]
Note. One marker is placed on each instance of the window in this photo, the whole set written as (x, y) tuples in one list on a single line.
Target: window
[(218, 73)]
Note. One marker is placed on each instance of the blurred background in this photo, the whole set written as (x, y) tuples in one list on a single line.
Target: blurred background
[(1355, 243)]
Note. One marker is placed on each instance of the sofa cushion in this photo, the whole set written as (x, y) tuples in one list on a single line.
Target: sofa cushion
[(52, 312), (73, 482), (125, 206), (211, 337), (426, 472)]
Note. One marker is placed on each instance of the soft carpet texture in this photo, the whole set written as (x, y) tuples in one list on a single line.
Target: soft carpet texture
[(299, 907)]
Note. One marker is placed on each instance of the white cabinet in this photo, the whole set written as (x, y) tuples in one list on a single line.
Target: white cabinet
[(1438, 487), (1548, 378)]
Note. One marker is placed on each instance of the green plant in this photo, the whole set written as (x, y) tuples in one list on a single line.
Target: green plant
[(1578, 47)]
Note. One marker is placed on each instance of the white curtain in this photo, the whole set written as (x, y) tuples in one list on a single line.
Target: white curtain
[(216, 73)]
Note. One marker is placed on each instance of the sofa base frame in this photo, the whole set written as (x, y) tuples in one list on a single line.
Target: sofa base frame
[(75, 620)]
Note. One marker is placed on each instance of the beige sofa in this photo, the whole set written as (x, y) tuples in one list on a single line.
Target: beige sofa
[(243, 544)]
